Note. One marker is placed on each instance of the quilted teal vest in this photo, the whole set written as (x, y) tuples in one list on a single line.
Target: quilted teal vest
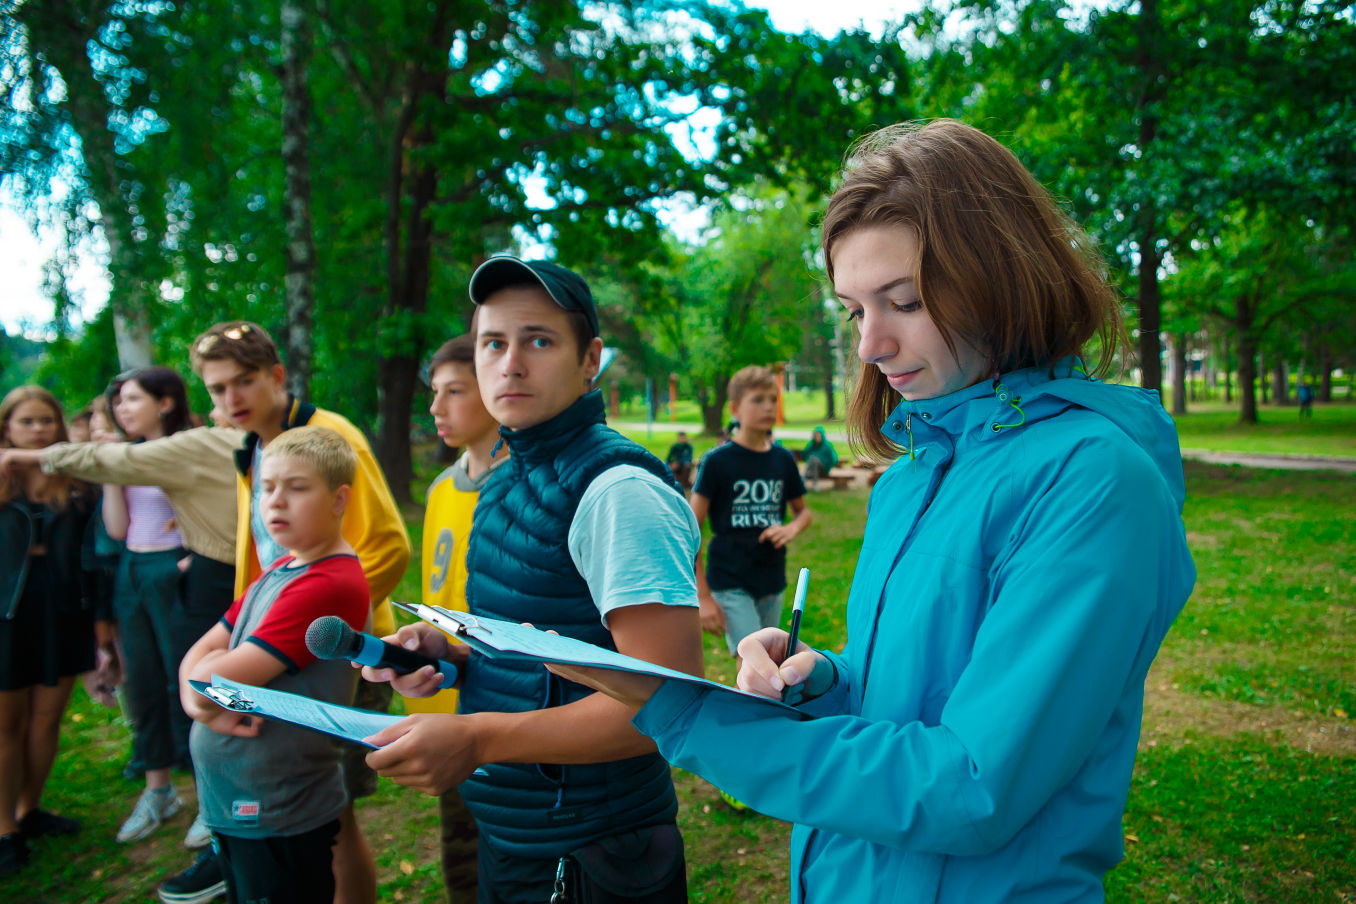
[(519, 569)]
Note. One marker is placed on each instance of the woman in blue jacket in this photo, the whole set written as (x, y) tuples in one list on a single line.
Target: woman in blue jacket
[(1022, 560)]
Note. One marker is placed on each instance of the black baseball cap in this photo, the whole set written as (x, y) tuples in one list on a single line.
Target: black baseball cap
[(565, 287)]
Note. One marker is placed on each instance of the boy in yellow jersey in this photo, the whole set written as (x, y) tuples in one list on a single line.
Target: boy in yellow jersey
[(462, 422)]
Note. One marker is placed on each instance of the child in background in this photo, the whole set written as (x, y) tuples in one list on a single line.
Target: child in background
[(78, 428), (679, 460), (820, 457), (745, 486), (271, 793), (149, 404), (47, 634), (463, 423)]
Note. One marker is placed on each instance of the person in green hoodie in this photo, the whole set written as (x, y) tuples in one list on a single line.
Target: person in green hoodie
[(820, 457)]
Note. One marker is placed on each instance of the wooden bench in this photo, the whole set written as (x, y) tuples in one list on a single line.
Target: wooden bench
[(841, 479)]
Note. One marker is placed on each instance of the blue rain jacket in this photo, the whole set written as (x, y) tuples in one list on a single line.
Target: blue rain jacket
[(1018, 572)]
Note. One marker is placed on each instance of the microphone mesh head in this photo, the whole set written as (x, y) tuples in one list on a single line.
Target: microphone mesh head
[(325, 635)]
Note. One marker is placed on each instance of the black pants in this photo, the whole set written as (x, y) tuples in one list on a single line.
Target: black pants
[(146, 596), (459, 837), (296, 869), (208, 589), (644, 865)]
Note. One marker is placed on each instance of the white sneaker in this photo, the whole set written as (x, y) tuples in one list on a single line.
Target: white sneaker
[(199, 835), (153, 807)]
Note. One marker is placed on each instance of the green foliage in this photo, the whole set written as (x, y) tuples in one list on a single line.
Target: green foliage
[(79, 368), (750, 294), (18, 360)]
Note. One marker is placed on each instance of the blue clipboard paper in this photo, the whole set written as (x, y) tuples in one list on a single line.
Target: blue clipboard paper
[(343, 722), (496, 638)]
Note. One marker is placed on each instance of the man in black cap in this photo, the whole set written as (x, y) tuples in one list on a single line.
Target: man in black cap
[(585, 533)]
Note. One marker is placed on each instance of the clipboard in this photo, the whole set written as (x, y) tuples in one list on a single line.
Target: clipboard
[(503, 639), (346, 723)]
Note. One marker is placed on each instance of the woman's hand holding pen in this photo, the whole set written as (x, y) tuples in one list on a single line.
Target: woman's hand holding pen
[(765, 668)]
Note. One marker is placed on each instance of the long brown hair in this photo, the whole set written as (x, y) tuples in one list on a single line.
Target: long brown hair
[(1000, 266), (58, 490)]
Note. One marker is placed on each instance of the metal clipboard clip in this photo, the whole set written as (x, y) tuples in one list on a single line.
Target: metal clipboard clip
[(230, 698), (466, 622)]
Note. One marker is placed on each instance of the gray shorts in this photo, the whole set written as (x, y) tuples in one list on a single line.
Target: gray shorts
[(745, 613)]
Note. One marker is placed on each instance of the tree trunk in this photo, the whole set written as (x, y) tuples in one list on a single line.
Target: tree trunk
[(407, 273), (1324, 377), (131, 288), (1150, 307), (400, 369), (1153, 79), (1248, 356), (830, 399), (1179, 365), (712, 402), (1280, 382), (1228, 371), (299, 277), (1247, 378)]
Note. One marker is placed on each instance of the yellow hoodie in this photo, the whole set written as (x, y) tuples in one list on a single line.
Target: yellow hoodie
[(372, 522)]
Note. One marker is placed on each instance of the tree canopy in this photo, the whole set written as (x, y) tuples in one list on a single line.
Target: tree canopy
[(207, 144)]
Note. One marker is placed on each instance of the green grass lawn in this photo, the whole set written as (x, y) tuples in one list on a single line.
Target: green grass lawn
[(1211, 426), (1244, 790)]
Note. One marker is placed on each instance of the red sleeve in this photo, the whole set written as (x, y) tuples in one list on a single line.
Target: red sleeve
[(331, 586), (233, 613)]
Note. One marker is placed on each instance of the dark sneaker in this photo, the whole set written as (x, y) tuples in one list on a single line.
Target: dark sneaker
[(200, 883), (13, 853), (38, 823)]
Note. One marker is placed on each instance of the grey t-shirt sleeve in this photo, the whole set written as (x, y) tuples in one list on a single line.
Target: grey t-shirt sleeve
[(634, 539)]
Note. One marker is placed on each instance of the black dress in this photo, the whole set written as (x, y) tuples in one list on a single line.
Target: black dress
[(50, 632)]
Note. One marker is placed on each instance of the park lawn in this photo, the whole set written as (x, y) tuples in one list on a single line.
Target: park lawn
[(1210, 426), (1214, 426), (1243, 790)]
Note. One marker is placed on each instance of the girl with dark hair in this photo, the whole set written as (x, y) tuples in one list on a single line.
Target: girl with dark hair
[(1022, 560), (46, 631), (149, 404)]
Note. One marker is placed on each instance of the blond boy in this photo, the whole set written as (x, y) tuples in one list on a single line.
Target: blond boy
[(272, 793)]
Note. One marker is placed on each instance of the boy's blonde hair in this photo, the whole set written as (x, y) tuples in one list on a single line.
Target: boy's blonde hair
[(321, 448), (749, 378)]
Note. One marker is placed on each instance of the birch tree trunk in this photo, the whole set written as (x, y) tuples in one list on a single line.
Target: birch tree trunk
[(299, 279)]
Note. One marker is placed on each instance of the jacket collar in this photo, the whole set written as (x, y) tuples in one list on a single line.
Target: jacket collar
[(989, 407), (542, 441), (295, 414)]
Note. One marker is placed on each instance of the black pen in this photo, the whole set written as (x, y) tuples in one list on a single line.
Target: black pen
[(797, 607)]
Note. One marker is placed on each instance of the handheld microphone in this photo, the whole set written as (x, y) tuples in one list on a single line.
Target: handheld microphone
[(330, 637)]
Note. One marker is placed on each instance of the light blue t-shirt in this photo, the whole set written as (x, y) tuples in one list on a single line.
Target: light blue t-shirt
[(264, 547), (612, 541)]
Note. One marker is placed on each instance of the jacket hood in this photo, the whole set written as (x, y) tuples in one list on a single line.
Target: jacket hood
[(1030, 395)]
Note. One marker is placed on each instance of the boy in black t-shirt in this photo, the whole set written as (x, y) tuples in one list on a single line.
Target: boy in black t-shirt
[(745, 486)]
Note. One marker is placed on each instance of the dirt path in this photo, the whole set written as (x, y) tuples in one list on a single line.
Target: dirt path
[(1169, 714)]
